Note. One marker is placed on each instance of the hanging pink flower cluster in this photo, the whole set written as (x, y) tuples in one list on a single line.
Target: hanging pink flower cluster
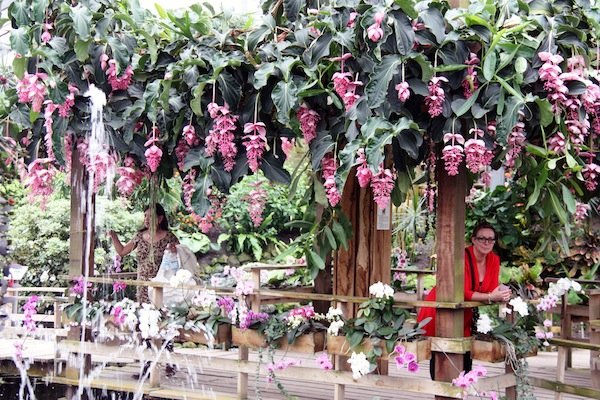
[(403, 92), (375, 32), (181, 150), (581, 211), (470, 84), (436, 96), (46, 35), (452, 153), (31, 89), (329, 166), (129, 177), (189, 133), (590, 172), (382, 184), (478, 156), (515, 140), (287, 145), (257, 199), (591, 102), (188, 189), (116, 82), (550, 73), (153, 153), (363, 172), (309, 119), (221, 136), (255, 142), (344, 86), (40, 179)]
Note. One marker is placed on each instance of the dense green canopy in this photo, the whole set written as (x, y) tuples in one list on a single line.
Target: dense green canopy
[(380, 86)]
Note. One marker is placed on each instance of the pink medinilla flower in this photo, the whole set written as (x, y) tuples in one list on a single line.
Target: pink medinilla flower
[(403, 92), (329, 166), (221, 137), (452, 153), (477, 155), (374, 32), (180, 152), (65, 108), (515, 142), (68, 146), (257, 199), (287, 145), (436, 96), (153, 154), (558, 143), (189, 133), (129, 179), (341, 81), (103, 61), (470, 84), (101, 164), (31, 89), (550, 73), (46, 36), (352, 19), (40, 179), (350, 97), (255, 142), (590, 173), (363, 172), (309, 119), (382, 184), (48, 121), (116, 82)]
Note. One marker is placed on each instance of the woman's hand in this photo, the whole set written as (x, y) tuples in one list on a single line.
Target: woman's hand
[(501, 294)]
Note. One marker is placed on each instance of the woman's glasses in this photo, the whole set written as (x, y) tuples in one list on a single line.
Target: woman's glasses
[(485, 240)]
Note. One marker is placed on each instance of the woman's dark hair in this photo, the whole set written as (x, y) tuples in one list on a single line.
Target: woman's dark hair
[(164, 224), (483, 225)]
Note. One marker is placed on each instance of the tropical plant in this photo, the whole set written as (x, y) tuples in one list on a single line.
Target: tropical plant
[(369, 87), (381, 322)]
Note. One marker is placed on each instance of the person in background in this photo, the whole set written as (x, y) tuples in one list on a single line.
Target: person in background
[(482, 273), (151, 244)]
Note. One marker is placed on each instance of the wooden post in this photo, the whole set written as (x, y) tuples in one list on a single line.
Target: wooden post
[(77, 240), (368, 258), (450, 270), (594, 329)]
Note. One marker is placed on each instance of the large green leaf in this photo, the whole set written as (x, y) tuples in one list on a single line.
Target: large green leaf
[(19, 66), (285, 97), (39, 10), (273, 169), (230, 88), (19, 41), (262, 75), (200, 202), (119, 51), (379, 82), (318, 50), (259, 34), (557, 207), (82, 21), (82, 49), (568, 199), (433, 19), (151, 43), (19, 10), (292, 8), (405, 35)]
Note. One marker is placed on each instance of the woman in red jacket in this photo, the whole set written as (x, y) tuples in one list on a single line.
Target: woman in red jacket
[(482, 271)]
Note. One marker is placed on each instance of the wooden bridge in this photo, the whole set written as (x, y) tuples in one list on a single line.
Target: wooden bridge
[(58, 356), (202, 374)]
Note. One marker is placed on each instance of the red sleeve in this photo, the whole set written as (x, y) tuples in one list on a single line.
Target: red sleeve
[(469, 290)]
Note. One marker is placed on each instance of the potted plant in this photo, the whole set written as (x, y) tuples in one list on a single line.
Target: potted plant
[(378, 328), (201, 319)]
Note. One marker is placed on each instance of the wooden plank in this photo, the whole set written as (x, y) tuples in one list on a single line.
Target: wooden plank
[(564, 388), (364, 230), (344, 260)]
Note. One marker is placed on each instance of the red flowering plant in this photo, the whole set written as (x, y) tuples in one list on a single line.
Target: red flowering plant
[(369, 88)]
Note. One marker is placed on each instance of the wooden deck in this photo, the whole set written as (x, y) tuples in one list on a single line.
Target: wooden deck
[(201, 382)]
